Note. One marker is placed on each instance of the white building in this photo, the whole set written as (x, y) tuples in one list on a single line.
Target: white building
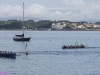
[(58, 25), (96, 26)]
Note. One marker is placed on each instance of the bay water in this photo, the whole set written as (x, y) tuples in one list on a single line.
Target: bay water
[(46, 56)]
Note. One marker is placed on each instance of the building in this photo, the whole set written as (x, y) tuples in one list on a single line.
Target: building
[(58, 26)]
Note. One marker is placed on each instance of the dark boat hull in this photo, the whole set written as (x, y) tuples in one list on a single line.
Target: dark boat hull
[(22, 39), (72, 47), (8, 55)]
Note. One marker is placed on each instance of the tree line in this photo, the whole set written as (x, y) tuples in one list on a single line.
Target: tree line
[(31, 24)]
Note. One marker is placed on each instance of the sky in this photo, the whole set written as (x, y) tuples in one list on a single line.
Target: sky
[(72, 10)]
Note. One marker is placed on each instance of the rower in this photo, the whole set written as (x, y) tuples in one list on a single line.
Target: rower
[(11, 52)]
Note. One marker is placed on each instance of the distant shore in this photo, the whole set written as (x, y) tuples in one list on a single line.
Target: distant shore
[(46, 30)]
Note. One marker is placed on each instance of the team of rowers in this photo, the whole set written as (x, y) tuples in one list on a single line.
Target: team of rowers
[(8, 54), (5, 52), (73, 46)]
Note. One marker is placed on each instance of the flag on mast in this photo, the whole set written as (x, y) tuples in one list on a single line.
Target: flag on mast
[(76, 41)]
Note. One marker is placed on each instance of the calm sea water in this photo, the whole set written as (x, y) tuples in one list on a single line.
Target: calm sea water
[(46, 56)]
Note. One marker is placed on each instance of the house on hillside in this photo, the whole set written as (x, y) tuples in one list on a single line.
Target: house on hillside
[(58, 26)]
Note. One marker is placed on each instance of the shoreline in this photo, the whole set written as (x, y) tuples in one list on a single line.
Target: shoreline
[(44, 30)]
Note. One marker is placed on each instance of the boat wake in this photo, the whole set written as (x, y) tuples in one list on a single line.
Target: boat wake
[(92, 47), (42, 52), (82, 48), (63, 52)]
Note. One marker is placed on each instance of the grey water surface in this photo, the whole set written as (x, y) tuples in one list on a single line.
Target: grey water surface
[(46, 56)]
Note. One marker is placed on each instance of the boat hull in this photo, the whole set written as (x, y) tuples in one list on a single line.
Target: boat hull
[(21, 39), (72, 47), (8, 55)]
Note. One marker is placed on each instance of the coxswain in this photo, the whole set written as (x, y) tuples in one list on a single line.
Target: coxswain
[(11, 52), (5, 51)]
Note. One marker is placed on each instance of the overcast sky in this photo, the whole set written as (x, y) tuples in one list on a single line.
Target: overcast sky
[(72, 10)]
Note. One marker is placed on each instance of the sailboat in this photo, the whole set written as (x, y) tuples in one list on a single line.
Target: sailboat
[(21, 37)]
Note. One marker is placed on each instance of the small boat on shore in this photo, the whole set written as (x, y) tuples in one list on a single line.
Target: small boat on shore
[(8, 54), (73, 46)]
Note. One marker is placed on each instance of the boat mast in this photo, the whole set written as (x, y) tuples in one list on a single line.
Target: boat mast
[(23, 17)]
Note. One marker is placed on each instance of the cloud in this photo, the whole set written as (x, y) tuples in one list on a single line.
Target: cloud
[(10, 11), (36, 10), (73, 10), (81, 10), (73, 2)]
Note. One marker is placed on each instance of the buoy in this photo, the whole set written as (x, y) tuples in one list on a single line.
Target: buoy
[(26, 53)]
